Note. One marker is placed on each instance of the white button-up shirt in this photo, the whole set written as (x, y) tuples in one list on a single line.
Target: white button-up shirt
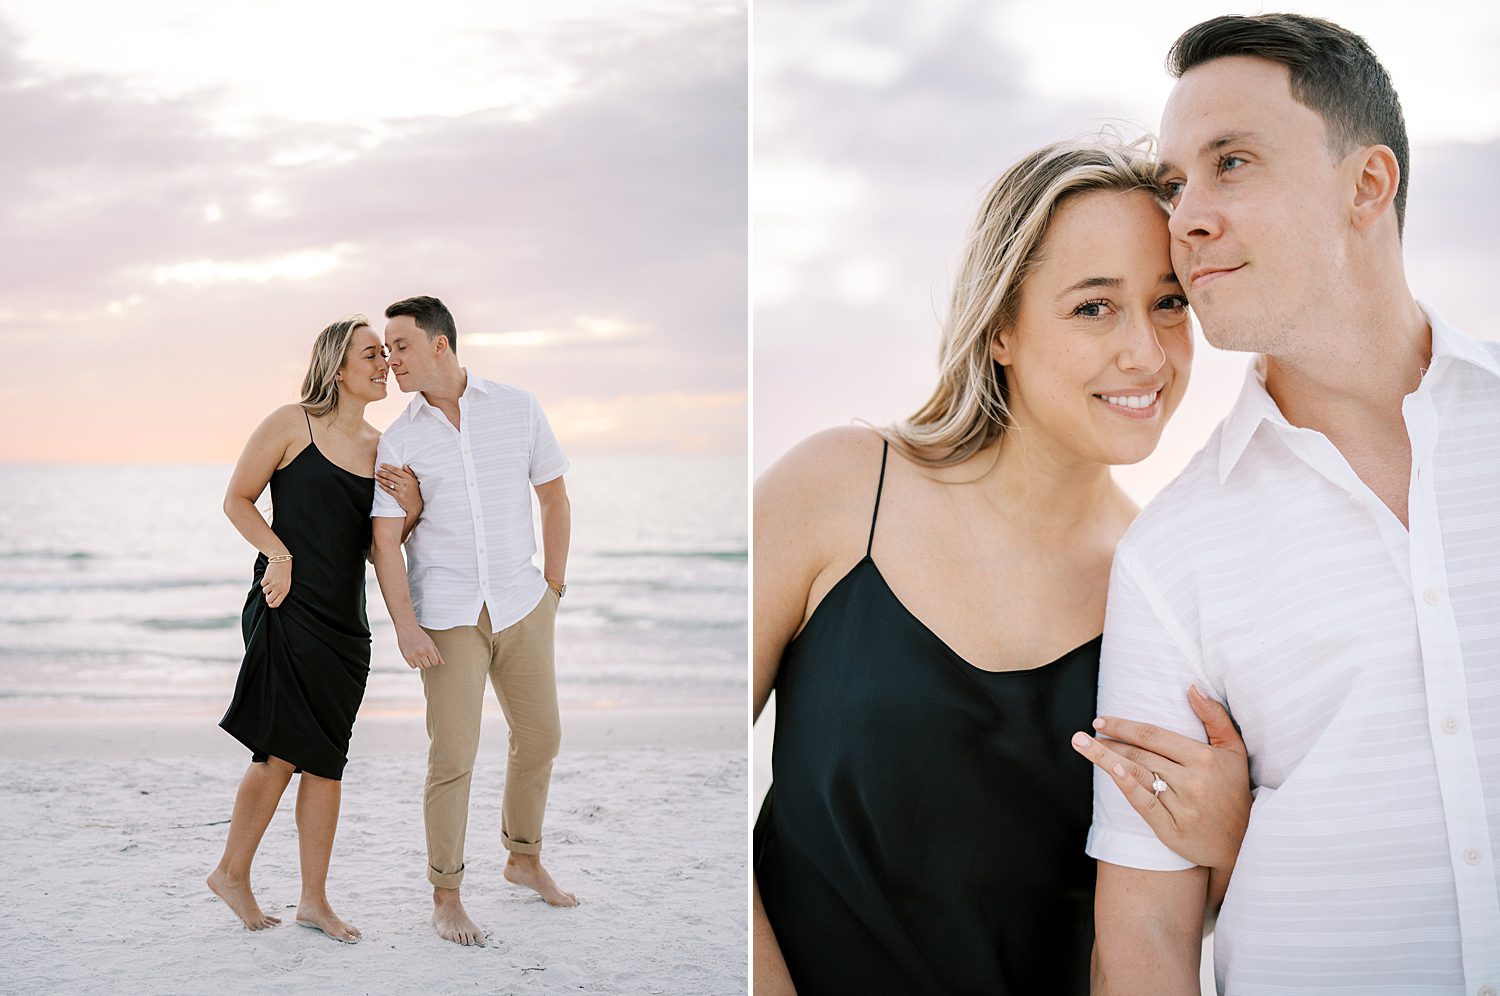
[(1362, 663), (474, 543)]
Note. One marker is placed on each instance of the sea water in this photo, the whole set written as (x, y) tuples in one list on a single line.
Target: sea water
[(121, 589)]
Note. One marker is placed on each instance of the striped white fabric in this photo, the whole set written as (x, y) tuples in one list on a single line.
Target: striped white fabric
[(475, 542), (1362, 663)]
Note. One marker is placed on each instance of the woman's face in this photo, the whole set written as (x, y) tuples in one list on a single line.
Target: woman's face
[(1098, 358), (363, 372)]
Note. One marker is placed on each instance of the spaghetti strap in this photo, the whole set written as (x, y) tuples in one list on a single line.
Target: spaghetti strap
[(885, 450), (309, 425)]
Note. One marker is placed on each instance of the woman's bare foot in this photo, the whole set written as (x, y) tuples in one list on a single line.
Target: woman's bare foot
[(238, 896), (452, 921), (320, 916), (527, 870)]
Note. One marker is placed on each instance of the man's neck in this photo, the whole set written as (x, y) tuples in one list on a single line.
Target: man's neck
[(450, 387), (1350, 384), (1357, 371)]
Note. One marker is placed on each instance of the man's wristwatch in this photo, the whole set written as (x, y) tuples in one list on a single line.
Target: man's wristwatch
[(558, 587)]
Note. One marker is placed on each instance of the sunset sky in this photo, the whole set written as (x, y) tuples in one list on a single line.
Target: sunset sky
[(193, 191), (877, 126)]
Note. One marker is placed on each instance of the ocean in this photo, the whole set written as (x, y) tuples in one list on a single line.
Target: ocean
[(121, 589)]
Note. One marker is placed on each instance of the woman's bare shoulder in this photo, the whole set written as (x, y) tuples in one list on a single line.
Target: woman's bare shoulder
[(285, 424), (822, 487), (824, 462)]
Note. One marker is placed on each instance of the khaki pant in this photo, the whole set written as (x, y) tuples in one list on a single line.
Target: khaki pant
[(518, 661)]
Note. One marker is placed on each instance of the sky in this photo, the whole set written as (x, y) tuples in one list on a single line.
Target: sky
[(877, 126), (193, 191)]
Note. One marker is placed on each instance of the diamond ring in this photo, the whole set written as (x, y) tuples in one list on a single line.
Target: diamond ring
[(1159, 786)]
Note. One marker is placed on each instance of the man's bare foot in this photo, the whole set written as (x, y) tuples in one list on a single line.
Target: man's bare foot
[(527, 870), (320, 916), (452, 921), (238, 896)]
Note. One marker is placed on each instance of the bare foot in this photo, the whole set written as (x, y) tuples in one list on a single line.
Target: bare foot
[(527, 870), (452, 921), (320, 916), (240, 899)]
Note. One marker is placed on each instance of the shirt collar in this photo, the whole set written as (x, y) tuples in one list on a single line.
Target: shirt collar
[(419, 401), (1449, 342), (1251, 408), (1254, 404)]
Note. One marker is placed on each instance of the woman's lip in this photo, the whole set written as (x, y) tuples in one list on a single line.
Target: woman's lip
[(1136, 413)]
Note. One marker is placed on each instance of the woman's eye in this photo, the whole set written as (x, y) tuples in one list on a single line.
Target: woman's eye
[(1091, 309), (1173, 302)]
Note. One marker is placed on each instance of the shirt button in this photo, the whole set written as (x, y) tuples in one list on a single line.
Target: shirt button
[(1486, 991), (1450, 725), (1430, 596), (1472, 855), (1356, 500)]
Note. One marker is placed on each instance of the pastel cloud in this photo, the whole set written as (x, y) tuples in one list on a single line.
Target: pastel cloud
[(155, 252)]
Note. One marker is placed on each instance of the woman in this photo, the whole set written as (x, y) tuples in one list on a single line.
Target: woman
[(307, 640), (928, 604)]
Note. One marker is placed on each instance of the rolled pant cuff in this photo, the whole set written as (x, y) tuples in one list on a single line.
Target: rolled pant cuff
[(520, 846), (441, 880)]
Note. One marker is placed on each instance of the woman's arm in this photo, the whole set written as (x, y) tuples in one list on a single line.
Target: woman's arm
[(811, 510), (263, 453)]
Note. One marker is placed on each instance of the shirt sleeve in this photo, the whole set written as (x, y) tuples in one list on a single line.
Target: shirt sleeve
[(548, 462), (1145, 669), (386, 506)]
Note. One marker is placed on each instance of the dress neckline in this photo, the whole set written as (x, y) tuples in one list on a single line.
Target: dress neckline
[(312, 445), (938, 640)]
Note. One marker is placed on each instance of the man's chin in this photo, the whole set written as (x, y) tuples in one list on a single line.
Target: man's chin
[(1232, 339)]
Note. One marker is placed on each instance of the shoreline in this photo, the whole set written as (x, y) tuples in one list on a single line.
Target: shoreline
[(97, 735)]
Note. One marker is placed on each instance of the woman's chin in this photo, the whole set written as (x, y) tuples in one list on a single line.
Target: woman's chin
[(1124, 452)]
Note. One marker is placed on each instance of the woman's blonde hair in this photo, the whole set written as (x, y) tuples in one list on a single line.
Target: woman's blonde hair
[(320, 388), (969, 410)]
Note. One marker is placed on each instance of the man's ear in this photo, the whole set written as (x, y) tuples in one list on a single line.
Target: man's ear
[(1375, 185)]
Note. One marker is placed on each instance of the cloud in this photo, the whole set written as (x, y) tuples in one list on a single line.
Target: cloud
[(197, 264)]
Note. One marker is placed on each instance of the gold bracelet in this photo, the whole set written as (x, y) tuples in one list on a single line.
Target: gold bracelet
[(284, 558)]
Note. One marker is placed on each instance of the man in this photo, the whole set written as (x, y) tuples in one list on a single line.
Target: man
[(1328, 565), (470, 603)]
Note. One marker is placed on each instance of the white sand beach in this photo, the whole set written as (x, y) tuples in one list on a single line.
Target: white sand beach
[(111, 825)]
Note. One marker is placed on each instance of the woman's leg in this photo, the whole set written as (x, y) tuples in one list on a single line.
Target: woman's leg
[(317, 819), (254, 805)]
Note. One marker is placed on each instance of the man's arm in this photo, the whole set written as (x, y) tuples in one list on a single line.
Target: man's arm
[(1149, 900), (1148, 931), (417, 647), (557, 527)]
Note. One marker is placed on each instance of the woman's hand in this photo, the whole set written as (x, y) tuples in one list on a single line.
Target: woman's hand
[(1203, 811), (276, 582), (402, 485)]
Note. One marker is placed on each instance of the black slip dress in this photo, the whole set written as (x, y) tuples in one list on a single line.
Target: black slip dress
[(925, 829), (306, 660)]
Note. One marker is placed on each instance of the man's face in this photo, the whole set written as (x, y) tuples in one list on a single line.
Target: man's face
[(1260, 215), (412, 358)]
